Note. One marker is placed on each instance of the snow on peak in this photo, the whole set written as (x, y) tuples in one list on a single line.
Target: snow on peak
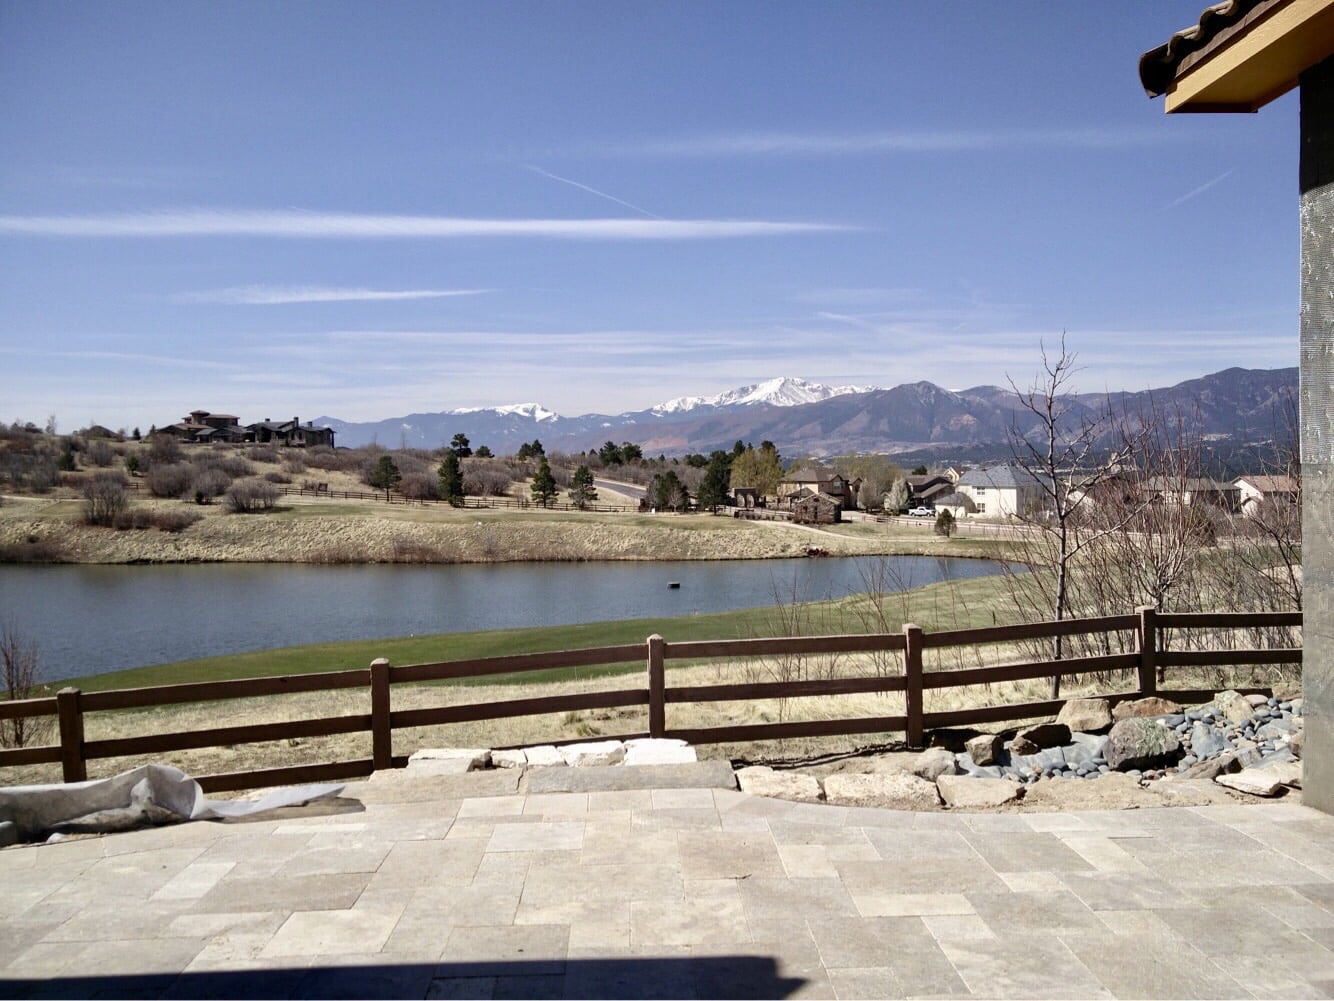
[(783, 391), (535, 411)]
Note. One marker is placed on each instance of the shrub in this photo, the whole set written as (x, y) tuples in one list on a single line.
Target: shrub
[(104, 497), (208, 484), (274, 477), (294, 465), (263, 453), (169, 479), (142, 519), (419, 486), (100, 453), (487, 477), (250, 496), (225, 461), (164, 449), (944, 524)]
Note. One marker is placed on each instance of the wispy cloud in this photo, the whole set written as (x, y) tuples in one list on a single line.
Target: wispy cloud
[(280, 295), (160, 361), (317, 225), (1201, 189), (877, 142), (590, 190)]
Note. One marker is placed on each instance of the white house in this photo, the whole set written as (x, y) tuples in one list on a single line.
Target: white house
[(1255, 490), (1002, 491)]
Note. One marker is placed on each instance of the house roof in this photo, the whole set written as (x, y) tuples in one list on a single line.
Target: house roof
[(1240, 55), (1269, 484), (1012, 477)]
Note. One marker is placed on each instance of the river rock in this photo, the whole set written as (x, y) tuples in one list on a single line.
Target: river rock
[(1233, 705), (1151, 706), (1086, 715), (1039, 737), (1205, 741), (963, 792), (1137, 742), (761, 780), (1257, 700), (899, 791), (951, 738), (985, 748), (933, 763), (1298, 743)]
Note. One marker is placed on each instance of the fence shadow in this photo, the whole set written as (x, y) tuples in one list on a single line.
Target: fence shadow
[(738, 976)]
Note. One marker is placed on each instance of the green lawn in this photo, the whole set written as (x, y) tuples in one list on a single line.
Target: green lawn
[(976, 602)]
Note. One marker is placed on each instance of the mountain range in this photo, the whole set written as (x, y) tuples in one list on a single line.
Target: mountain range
[(803, 418)]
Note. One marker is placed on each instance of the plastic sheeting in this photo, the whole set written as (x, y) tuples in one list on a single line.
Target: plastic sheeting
[(149, 794)]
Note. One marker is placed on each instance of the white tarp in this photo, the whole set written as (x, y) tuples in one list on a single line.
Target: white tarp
[(149, 794)]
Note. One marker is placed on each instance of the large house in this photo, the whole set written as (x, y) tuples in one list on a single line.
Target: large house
[(801, 483), (1002, 491), (1255, 491), (203, 427), (926, 490)]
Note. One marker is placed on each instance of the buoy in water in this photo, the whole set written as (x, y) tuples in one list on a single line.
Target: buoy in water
[(675, 585)]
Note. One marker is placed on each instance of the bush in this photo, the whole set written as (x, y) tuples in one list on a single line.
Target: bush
[(263, 453), (294, 465), (208, 484), (273, 477), (487, 477), (419, 486), (250, 496), (142, 519), (169, 479), (104, 497), (225, 461), (100, 453), (944, 524), (163, 449)]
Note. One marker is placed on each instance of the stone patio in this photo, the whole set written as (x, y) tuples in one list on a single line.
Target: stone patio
[(457, 886)]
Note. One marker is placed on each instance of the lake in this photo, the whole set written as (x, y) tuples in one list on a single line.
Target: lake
[(96, 619)]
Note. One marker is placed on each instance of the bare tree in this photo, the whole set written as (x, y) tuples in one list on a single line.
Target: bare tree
[(22, 667), (1066, 459)]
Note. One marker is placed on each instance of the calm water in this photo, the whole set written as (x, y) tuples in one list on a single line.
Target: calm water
[(90, 620)]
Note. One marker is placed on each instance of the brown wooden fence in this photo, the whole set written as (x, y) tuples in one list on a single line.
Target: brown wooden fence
[(1140, 636)]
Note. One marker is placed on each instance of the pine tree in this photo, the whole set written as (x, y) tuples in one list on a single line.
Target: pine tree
[(713, 489), (582, 491), (544, 484), (385, 475), (451, 478), (460, 445)]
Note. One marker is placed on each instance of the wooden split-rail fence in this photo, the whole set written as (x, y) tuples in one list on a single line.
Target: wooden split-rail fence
[(1140, 637)]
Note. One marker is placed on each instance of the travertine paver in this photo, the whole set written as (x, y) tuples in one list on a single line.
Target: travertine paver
[(442, 888)]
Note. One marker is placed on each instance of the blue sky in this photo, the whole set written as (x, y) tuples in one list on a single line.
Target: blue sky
[(369, 210)]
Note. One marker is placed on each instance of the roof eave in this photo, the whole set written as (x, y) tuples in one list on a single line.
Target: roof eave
[(1257, 62)]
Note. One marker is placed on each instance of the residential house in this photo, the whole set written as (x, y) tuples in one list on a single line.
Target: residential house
[(1256, 491), (1003, 491), (817, 509), (816, 480), (292, 433), (1192, 490), (202, 426), (923, 491)]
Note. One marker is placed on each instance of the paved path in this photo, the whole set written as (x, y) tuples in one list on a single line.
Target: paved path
[(460, 887)]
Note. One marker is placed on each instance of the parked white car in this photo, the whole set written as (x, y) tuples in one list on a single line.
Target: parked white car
[(920, 512)]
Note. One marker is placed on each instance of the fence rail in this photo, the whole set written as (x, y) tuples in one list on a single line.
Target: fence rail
[(1144, 635)]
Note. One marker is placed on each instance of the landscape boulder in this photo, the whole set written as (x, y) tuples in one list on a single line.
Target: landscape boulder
[(986, 748), (1039, 737), (932, 764), (899, 791), (1151, 706), (1086, 715), (1257, 781), (658, 751), (601, 752), (761, 780), (963, 792), (1234, 706), (951, 738), (449, 760), (1139, 743), (517, 758), (544, 756)]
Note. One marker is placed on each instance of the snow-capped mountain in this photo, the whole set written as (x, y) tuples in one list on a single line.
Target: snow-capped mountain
[(533, 411), (783, 391)]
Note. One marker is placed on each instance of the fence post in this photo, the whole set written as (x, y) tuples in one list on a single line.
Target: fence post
[(1148, 650), (657, 686), (912, 692), (382, 737), (70, 715)]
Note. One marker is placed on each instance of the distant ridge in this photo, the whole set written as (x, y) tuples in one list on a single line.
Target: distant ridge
[(802, 417)]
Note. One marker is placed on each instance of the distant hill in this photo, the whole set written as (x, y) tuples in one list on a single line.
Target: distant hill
[(1236, 405)]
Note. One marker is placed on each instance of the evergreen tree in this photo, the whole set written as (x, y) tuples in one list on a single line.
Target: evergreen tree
[(919, 471), (630, 452), (460, 446), (136, 436), (385, 475), (667, 493), (944, 524), (544, 484), (451, 478), (713, 489), (582, 491), (610, 454), (483, 452)]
